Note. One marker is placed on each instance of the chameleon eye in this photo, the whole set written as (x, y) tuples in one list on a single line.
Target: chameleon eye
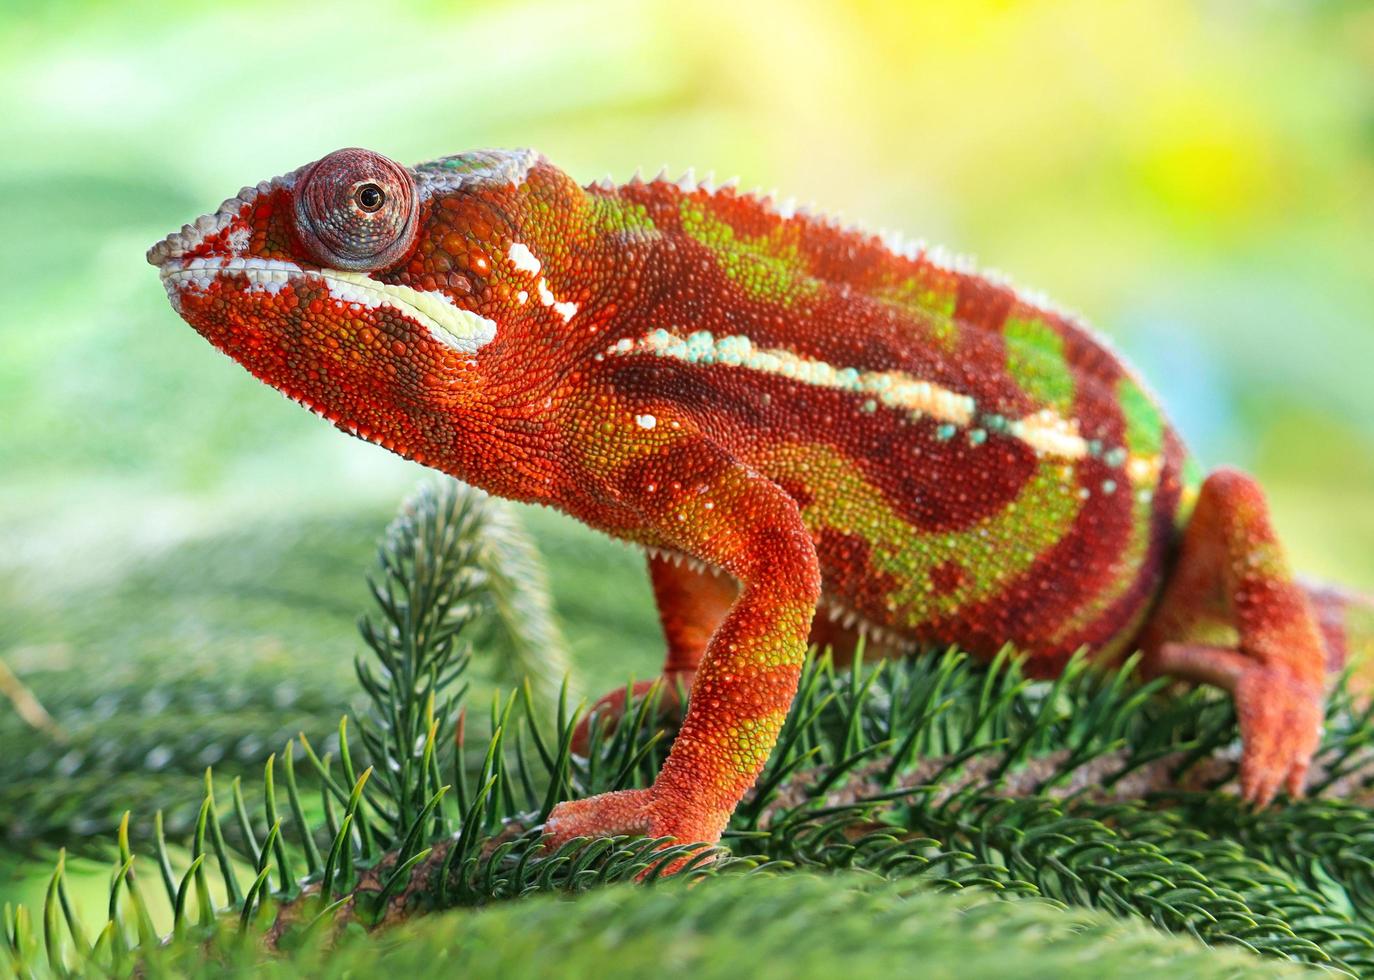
[(356, 210), (370, 197)]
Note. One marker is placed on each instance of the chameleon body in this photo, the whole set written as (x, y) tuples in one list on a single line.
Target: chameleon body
[(788, 415)]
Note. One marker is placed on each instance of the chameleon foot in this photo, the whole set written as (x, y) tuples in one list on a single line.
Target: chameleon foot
[(633, 812), (1280, 728), (1280, 714)]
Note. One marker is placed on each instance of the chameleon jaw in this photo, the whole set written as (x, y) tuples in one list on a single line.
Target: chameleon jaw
[(462, 330)]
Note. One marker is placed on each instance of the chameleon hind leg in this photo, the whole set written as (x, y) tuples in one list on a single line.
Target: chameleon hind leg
[(691, 605), (1232, 615)]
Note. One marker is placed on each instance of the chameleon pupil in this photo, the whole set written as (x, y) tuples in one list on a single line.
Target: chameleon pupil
[(370, 197)]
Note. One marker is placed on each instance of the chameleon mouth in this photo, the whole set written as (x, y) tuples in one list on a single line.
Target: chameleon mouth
[(462, 330)]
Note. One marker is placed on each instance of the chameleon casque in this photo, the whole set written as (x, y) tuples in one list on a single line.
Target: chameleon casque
[(789, 416)]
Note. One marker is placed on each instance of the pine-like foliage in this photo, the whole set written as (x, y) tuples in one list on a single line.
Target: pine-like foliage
[(144, 707), (1071, 820)]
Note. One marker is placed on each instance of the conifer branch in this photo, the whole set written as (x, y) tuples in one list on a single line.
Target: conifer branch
[(1089, 792)]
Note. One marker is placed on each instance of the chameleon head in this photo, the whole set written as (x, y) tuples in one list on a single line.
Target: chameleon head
[(331, 284)]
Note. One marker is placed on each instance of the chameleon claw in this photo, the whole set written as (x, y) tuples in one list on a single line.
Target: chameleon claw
[(1281, 724)]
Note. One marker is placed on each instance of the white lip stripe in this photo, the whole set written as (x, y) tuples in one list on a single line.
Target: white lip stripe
[(463, 330)]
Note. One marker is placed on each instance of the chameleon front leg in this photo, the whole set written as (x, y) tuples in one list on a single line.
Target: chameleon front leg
[(1233, 616), (710, 507), (692, 603)]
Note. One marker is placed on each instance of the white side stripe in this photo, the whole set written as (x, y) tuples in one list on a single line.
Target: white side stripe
[(1045, 431), (463, 330), (892, 388)]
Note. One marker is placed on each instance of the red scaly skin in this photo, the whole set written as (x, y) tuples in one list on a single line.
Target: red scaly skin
[(806, 415)]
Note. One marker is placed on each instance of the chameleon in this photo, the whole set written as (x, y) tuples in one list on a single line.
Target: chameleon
[(817, 434)]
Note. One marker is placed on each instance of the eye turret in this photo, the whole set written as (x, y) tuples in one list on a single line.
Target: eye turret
[(357, 210)]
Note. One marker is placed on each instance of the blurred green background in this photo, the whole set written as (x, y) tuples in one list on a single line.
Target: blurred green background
[(1196, 178)]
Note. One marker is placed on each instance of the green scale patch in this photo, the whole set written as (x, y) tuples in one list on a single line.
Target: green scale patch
[(610, 213), (768, 269), (991, 552), (1144, 421), (1035, 361)]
